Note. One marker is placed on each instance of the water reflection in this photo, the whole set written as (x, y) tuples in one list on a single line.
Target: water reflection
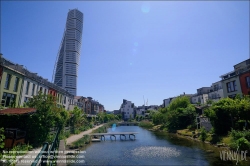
[(155, 151), (151, 148)]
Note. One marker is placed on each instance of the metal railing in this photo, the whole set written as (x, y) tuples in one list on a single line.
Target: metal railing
[(48, 152), (42, 155)]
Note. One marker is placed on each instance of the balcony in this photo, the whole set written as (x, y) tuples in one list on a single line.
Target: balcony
[(229, 75), (214, 97)]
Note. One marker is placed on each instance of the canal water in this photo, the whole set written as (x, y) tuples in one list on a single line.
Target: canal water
[(152, 148)]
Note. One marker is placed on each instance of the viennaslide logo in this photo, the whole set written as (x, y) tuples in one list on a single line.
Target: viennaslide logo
[(237, 155)]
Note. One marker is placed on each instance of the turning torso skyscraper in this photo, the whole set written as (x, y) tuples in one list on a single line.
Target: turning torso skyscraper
[(66, 67)]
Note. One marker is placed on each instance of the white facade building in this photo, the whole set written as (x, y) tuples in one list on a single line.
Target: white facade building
[(166, 102), (201, 96), (66, 68), (29, 90), (216, 91), (127, 109)]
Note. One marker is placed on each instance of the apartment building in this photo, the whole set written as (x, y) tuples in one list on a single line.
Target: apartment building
[(167, 101), (18, 85), (243, 69), (231, 84), (201, 96), (216, 91), (11, 83), (127, 110)]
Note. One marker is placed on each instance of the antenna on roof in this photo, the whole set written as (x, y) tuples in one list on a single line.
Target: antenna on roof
[(143, 100)]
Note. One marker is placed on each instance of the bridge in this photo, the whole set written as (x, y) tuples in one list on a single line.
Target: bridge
[(113, 134), (128, 123)]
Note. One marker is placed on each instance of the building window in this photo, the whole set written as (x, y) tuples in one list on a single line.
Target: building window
[(248, 82), (33, 89), (16, 84), (216, 87), (41, 89), (8, 99), (27, 88), (44, 91), (7, 82), (64, 100), (231, 86)]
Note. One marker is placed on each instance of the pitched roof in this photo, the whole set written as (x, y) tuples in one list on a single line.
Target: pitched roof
[(17, 111), (78, 97)]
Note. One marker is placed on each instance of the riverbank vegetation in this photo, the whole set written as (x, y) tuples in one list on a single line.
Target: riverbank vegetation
[(42, 125), (146, 124), (229, 118), (178, 115)]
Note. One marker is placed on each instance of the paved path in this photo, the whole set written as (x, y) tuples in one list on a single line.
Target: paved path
[(74, 138)]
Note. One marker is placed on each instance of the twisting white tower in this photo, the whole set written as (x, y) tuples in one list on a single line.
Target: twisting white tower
[(67, 61)]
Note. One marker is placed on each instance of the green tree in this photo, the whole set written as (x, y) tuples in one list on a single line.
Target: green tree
[(47, 115), (158, 118), (102, 117), (77, 118), (179, 102), (163, 110), (137, 117), (244, 109), (111, 117), (119, 116), (209, 101), (223, 114), (180, 113), (151, 113)]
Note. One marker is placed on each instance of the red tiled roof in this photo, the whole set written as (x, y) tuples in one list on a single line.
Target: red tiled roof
[(17, 111)]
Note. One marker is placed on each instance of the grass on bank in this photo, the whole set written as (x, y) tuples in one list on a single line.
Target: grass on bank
[(146, 124), (185, 132), (207, 137)]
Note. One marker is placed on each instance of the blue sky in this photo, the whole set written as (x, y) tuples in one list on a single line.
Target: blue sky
[(132, 49)]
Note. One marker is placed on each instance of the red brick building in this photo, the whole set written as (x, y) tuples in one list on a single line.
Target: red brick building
[(52, 92), (245, 82), (243, 68)]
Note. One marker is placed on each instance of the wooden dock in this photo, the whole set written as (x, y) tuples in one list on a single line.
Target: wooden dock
[(113, 135)]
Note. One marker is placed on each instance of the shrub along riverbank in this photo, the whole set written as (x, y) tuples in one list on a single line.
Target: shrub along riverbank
[(229, 118), (48, 116)]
